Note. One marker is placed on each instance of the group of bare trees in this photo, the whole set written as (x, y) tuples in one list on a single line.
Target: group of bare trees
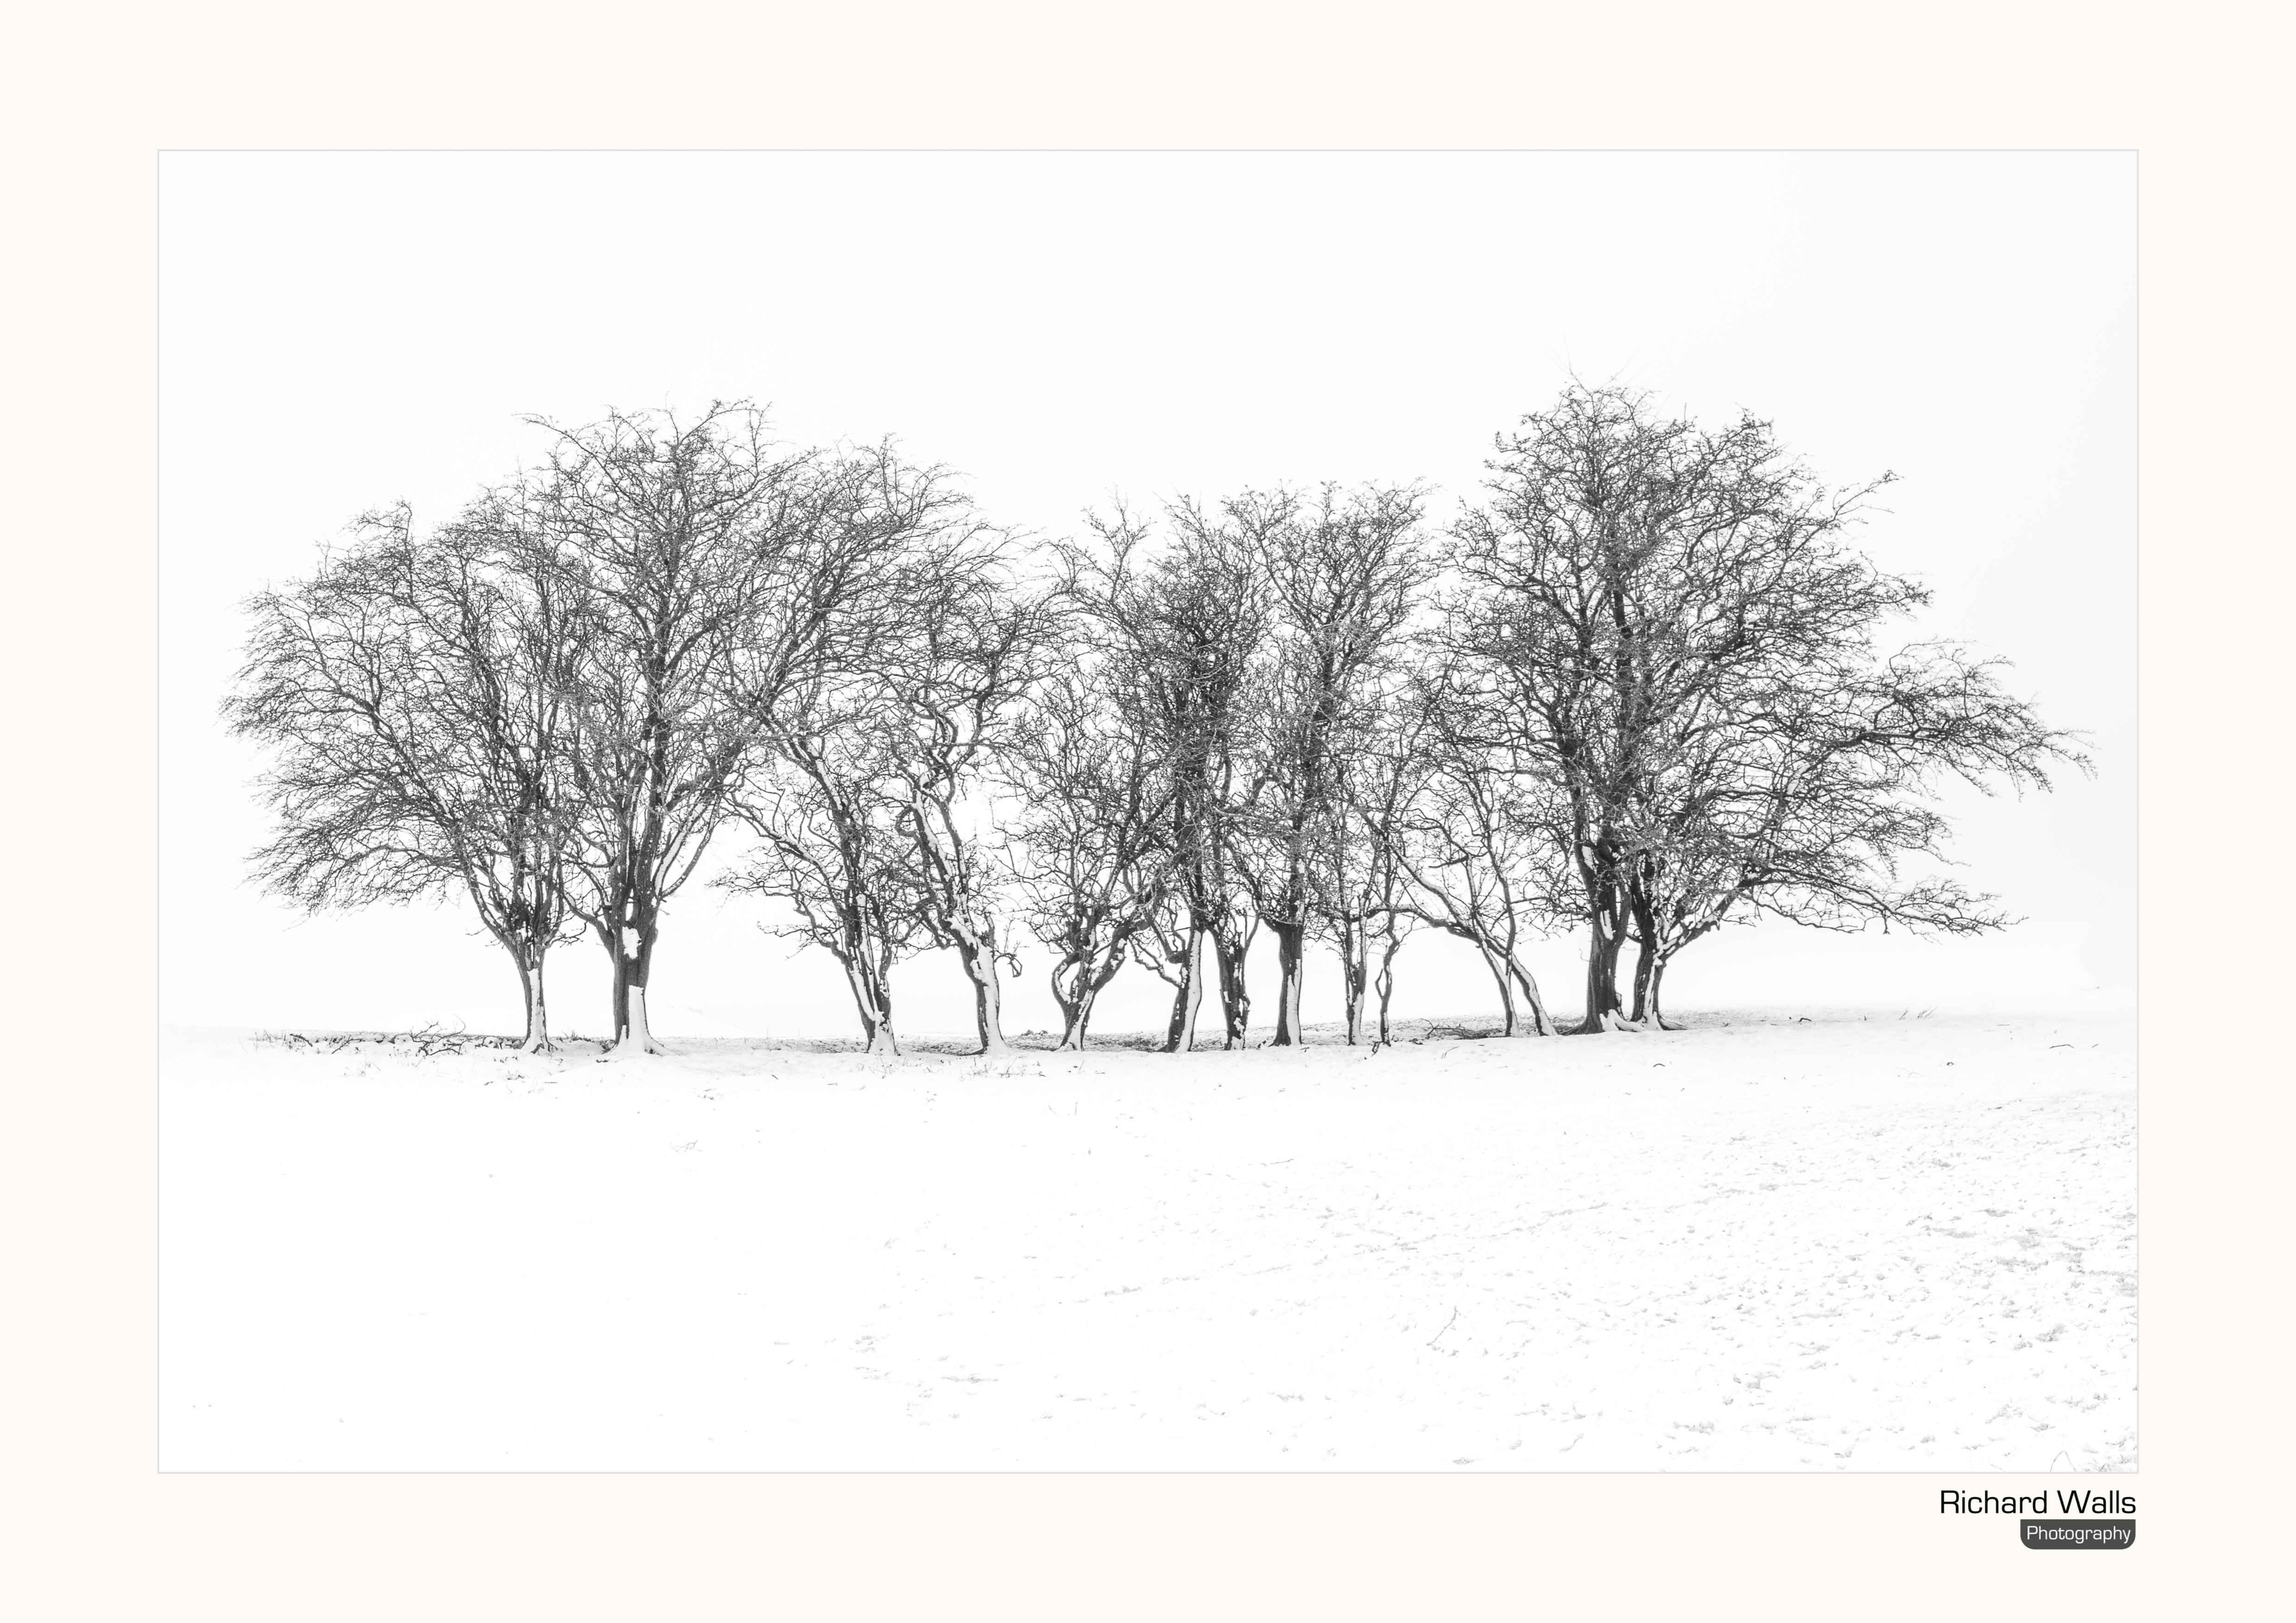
[(1636, 691), (556, 701)]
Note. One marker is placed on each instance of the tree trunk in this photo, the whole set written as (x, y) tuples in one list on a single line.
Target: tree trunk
[(538, 1019), (1649, 969), (1076, 1008), (1182, 1036), (637, 1035), (1496, 963), (1542, 1024), (1355, 970), (1650, 963), (1385, 985), (617, 1018), (641, 978), (863, 1004), (980, 963), (1290, 955), (1235, 998), (872, 1001), (1656, 1018), (632, 1034), (1071, 994), (1603, 1011), (1075, 1015)]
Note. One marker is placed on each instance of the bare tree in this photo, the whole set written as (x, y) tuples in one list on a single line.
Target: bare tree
[(1182, 631), (955, 679), (1627, 572), (1813, 803), (822, 806), (1363, 896), (1672, 621), (877, 687), (1462, 827), (723, 571), (413, 692), (1341, 572), (1089, 860)]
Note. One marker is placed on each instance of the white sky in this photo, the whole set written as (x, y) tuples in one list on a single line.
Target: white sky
[(341, 331)]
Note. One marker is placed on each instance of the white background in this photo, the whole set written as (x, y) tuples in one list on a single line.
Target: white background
[(341, 331)]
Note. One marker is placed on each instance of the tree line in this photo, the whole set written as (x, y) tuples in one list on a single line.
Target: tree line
[(1637, 690)]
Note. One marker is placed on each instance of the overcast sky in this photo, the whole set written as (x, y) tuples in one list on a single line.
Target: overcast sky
[(339, 332)]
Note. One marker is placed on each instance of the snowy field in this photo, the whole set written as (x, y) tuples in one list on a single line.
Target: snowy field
[(1844, 1243)]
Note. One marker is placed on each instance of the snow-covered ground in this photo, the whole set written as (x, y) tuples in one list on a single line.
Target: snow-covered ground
[(1843, 1243)]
